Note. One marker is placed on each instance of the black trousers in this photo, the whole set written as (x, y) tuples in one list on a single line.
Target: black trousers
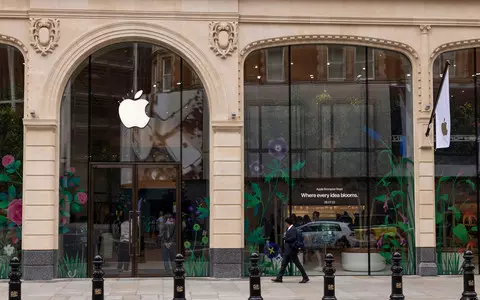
[(123, 256), (294, 259)]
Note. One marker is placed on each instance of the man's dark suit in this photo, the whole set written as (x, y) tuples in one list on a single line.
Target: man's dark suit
[(290, 254)]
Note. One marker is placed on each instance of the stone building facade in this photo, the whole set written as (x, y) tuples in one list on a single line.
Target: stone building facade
[(222, 42)]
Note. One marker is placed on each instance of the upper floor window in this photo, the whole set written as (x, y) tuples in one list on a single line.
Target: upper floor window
[(275, 64), (439, 64), (336, 63), (167, 74), (361, 64)]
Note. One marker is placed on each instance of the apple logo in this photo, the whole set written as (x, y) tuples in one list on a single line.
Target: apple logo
[(132, 112), (444, 128)]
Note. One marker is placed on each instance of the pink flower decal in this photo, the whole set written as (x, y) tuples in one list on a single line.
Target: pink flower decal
[(82, 198), (7, 160), (405, 219), (14, 211), (380, 241), (15, 240), (385, 205), (63, 220), (72, 170)]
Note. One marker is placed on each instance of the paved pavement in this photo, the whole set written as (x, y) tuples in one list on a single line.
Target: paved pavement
[(348, 288)]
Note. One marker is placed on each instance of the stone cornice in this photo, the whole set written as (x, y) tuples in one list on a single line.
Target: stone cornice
[(40, 124), (222, 16), (227, 125), (132, 14)]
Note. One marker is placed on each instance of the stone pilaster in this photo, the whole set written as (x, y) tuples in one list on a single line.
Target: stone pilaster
[(40, 199), (425, 165), (226, 220)]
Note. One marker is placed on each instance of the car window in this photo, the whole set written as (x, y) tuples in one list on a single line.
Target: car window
[(330, 227)]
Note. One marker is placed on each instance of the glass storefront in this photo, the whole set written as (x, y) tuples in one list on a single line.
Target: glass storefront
[(329, 142), (12, 73), (457, 167), (139, 195)]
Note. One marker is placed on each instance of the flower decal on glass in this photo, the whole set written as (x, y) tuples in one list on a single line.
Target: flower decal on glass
[(82, 198), (14, 211), (256, 169), (196, 227), (7, 160), (9, 250), (205, 240), (271, 250), (278, 148), (187, 245)]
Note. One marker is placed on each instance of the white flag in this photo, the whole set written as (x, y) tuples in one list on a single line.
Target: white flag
[(442, 115)]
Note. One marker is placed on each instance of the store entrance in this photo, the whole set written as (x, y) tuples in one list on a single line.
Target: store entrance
[(133, 219)]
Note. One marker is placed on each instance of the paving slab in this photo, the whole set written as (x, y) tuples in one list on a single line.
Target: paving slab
[(347, 287)]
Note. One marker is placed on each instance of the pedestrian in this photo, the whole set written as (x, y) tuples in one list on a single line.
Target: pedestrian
[(290, 252)]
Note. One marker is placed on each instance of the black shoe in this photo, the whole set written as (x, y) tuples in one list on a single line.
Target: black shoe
[(305, 280), (277, 280)]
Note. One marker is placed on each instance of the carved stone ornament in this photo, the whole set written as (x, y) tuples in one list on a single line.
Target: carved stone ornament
[(44, 34), (223, 38)]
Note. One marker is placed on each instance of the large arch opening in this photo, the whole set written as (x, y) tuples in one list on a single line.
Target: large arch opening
[(329, 142), (12, 74), (134, 195), (457, 167)]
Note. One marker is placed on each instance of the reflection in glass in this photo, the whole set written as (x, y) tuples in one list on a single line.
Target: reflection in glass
[(318, 147)]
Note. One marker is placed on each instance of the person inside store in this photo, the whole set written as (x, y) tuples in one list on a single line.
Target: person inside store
[(290, 252), (123, 247), (167, 239)]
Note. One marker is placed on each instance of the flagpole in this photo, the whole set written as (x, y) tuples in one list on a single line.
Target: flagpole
[(447, 64)]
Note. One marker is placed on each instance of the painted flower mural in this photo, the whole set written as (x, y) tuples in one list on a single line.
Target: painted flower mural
[(278, 148)]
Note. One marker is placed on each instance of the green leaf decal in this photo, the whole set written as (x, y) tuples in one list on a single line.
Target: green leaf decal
[(252, 201), (381, 198), (3, 220), (438, 218), (12, 192), (299, 165), (456, 212), (3, 204), (469, 182), (255, 237), (444, 197), (474, 229), (17, 164), (4, 178), (398, 193), (75, 207), (10, 170), (460, 231)]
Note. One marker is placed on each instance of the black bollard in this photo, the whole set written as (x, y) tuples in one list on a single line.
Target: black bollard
[(15, 283), (255, 284), (397, 281), (468, 277), (97, 281), (179, 279), (329, 278)]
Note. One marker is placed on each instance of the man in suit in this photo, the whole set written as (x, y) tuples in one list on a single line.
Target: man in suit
[(290, 252)]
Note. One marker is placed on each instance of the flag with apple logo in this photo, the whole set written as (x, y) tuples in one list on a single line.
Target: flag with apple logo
[(442, 113)]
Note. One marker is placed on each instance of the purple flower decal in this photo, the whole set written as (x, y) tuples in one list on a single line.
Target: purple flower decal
[(256, 169), (271, 250), (405, 219), (380, 241), (278, 148), (385, 205), (403, 241)]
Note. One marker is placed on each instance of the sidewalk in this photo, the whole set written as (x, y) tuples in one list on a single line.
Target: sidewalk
[(348, 288)]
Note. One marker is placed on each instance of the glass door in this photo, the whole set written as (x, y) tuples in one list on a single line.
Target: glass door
[(159, 219), (112, 219)]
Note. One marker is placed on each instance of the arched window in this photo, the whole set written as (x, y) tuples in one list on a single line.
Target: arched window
[(12, 73), (134, 164), (329, 142)]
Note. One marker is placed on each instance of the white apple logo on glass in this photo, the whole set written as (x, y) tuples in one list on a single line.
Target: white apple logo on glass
[(132, 112)]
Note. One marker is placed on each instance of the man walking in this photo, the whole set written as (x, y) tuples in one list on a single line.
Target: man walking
[(290, 252)]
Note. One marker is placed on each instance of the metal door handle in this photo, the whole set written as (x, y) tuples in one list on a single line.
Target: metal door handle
[(130, 243), (139, 228)]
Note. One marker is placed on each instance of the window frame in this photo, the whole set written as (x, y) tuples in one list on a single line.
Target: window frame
[(164, 75), (344, 63), (267, 73), (365, 62)]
